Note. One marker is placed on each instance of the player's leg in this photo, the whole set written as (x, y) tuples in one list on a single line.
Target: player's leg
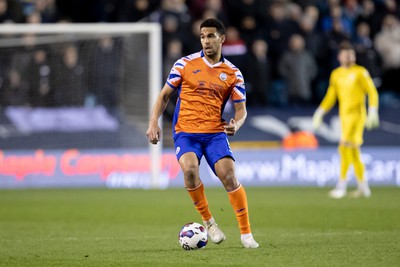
[(190, 167), (219, 156), (340, 189), (356, 140), (195, 188), (189, 152), (348, 124), (225, 171), (363, 189)]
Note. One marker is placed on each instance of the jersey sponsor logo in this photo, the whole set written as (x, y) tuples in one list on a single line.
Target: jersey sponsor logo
[(223, 76)]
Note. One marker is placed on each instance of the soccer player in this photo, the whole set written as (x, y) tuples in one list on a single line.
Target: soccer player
[(204, 82), (349, 84)]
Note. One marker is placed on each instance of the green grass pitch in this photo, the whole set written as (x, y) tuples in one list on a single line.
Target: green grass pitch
[(99, 227)]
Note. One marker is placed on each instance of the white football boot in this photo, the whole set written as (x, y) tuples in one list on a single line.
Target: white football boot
[(248, 241), (216, 235), (362, 190), (340, 191), (337, 193)]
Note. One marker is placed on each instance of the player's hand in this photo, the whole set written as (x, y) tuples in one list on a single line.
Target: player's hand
[(230, 129), (317, 118), (153, 134), (372, 119)]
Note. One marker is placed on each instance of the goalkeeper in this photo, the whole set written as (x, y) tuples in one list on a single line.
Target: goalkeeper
[(349, 84)]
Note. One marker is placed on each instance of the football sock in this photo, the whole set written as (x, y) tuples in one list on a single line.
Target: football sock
[(200, 201), (238, 201), (345, 160), (358, 164)]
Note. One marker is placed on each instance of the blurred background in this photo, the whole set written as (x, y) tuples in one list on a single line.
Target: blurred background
[(74, 108)]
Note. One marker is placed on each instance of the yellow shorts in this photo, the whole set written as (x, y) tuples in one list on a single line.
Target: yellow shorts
[(352, 129)]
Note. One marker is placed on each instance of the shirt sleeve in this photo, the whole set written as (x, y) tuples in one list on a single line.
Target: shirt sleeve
[(175, 76), (239, 90), (331, 96), (369, 87)]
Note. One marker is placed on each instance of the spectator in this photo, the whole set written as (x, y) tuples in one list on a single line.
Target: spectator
[(48, 10), (335, 15), (191, 42), (104, 64), (366, 54), (34, 18), (368, 15), (298, 68), (316, 44), (134, 10), (198, 8), (387, 43), (295, 14), (333, 38), (174, 52), (14, 92), (312, 12), (239, 9), (351, 9), (39, 79), (277, 32), (247, 17), (390, 7), (11, 11), (69, 79), (257, 74), (18, 84), (175, 19), (234, 48)]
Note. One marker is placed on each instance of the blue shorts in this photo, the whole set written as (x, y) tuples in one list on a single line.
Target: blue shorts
[(213, 146)]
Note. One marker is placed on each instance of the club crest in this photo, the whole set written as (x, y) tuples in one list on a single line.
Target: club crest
[(223, 76)]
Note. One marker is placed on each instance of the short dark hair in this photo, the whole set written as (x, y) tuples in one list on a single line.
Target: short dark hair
[(213, 23), (346, 45)]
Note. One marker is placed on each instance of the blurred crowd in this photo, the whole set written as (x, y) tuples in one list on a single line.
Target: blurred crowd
[(285, 49)]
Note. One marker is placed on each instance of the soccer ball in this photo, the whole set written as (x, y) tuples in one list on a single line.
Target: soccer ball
[(193, 236)]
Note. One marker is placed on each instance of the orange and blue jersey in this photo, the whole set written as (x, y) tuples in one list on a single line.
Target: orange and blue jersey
[(203, 91)]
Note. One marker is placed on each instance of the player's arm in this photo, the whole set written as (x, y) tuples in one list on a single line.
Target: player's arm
[(154, 132), (240, 117), (373, 101), (326, 105), (329, 100)]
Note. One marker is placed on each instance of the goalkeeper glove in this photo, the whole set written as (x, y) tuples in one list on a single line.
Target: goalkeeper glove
[(372, 118), (317, 118)]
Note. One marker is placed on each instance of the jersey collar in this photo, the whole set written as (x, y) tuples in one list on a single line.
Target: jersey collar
[(208, 63)]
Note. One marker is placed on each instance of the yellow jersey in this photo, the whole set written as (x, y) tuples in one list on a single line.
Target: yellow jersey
[(349, 86)]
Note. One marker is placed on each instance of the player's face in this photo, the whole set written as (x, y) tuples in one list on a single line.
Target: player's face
[(346, 57), (211, 41)]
